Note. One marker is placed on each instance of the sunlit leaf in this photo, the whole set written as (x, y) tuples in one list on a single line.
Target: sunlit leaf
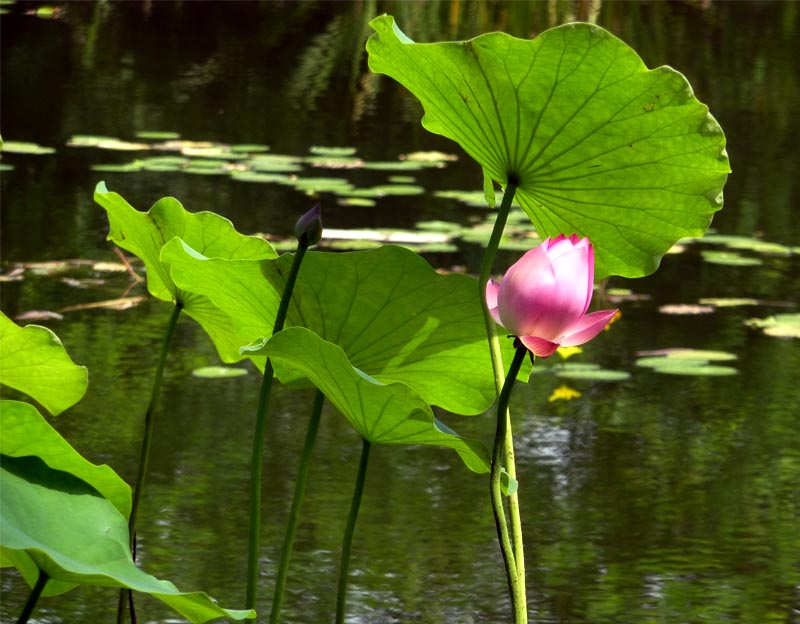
[(601, 374), (76, 535), (391, 313), (145, 233), (779, 326), (383, 413), (33, 361), (597, 143), (218, 372), (157, 135), (729, 258), (23, 147)]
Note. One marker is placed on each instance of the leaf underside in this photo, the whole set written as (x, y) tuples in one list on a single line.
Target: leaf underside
[(597, 143)]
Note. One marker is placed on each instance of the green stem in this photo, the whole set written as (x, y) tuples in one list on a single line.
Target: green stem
[(297, 503), (33, 597), (259, 438), (347, 542), (514, 582), (149, 425), (498, 368), (144, 452)]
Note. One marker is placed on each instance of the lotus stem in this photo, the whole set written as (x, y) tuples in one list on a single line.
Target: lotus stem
[(147, 443), (259, 437), (297, 503), (347, 541), (497, 365), (514, 582), (33, 597)]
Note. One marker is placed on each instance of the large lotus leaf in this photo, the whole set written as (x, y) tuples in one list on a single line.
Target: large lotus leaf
[(145, 233), (382, 413), (391, 313), (597, 143), (75, 535), (33, 361), (27, 433)]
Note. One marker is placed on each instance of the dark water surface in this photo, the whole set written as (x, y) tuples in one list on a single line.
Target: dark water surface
[(659, 499)]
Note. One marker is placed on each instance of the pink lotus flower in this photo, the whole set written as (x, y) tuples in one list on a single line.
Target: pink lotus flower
[(544, 296)]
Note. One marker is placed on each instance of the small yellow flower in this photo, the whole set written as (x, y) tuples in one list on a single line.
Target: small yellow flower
[(563, 392), (568, 352)]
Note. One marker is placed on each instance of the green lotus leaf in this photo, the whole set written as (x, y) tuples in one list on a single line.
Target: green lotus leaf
[(33, 361), (27, 433), (382, 413), (145, 233), (596, 143), (218, 372), (75, 535), (390, 312)]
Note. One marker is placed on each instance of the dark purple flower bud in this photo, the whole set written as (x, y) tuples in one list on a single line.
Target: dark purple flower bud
[(308, 229)]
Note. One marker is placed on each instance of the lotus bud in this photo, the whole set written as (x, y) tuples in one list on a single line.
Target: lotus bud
[(308, 228)]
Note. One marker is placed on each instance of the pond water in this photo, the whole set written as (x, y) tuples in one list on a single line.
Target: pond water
[(662, 498)]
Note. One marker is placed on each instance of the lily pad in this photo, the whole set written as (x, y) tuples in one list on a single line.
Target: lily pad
[(600, 374), (687, 362), (594, 141), (22, 147), (729, 258), (33, 361), (219, 372), (322, 150), (157, 135), (779, 326)]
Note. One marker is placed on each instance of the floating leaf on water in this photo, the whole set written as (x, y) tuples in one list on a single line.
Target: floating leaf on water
[(275, 163), (429, 156), (351, 245), (131, 167), (436, 248), (703, 370), (684, 354), (323, 185), (123, 303), (475, 199), (6, 167), (399, 165), (728, 302), (24, 147), (322, 150), (729, 258), (402, 179), (198, 170), (266, 178), (438, 226), (779, 325), (685, 308), (335, 162), (249, 148), (363, 202), (398, 189), (208, 163), (222, 152), (601, 374), (218, 372), (157, 135), (687, 362)]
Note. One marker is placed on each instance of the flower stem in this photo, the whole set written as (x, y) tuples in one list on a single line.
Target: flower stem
[(514, 582), (344, 566), (297, 503), (33, 597), (518, 572), (147, 443), (259, 438), (149, 425)]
